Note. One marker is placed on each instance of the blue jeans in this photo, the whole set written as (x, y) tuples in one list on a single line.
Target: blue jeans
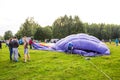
[(11, 51), (15, 51)]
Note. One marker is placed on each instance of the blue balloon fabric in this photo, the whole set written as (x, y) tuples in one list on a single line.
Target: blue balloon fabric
[(20, 41), (83, 44)]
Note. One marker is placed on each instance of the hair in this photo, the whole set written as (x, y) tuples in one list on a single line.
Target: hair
[(10, 39), (14, 37)]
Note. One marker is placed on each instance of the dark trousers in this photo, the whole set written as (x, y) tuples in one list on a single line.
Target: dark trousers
[(30, 46), (70, 50), (0, 46), (11, 51)]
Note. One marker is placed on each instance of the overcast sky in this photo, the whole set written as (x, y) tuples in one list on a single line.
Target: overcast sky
[(14, 12)]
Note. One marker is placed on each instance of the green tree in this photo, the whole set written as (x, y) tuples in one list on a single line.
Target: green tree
[(28, 28), (8, 34), (43, 33), (77, 25), (47, 32), (65, 26), (19, 34), (56, 28), (39, 34)]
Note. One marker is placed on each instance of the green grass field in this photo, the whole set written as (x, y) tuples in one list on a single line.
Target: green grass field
[(47, 65)]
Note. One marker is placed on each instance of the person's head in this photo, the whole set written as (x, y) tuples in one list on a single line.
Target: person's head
[(14, 38), (10, 39)]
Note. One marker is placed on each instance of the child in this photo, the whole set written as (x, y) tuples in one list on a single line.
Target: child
[(26, 54)]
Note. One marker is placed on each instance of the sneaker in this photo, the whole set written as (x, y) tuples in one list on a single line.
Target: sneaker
[(16, 60)]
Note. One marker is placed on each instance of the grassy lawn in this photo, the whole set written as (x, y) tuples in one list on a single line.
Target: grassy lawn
[(48, 65)]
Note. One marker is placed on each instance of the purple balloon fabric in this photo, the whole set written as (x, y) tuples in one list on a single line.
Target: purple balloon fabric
[(83, 44)]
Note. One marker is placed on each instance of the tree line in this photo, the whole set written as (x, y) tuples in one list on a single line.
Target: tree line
[(64, 26)]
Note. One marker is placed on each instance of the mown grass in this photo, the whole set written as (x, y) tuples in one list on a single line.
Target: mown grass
[(48, 65)]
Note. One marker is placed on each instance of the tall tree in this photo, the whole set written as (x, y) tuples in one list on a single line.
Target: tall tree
[(65, 26), (47, 32), (28, 28), (8, 34), (39, 34), (43, 33), (78, 25)]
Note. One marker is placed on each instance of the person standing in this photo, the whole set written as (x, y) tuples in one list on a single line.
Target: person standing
[(10, 48), (30, 43), (0, 44), (15, 48), (116, 41), (26, 53)]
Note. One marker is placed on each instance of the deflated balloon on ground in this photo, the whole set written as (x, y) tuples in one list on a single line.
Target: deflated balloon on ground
[(83, 44)]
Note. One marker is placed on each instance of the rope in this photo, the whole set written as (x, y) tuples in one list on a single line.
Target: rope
[(100, 70)]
